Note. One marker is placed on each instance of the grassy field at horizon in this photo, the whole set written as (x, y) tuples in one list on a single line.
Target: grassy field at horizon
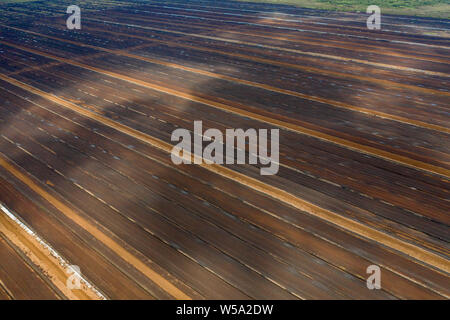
[(425, 8), (12, 1)]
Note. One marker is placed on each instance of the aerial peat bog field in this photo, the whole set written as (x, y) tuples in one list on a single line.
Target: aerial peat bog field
[(87, 179)]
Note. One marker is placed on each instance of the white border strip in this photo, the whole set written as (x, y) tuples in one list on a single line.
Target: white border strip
[(52, 251)]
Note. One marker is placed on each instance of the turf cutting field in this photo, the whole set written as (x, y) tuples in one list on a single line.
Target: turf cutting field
[(86, 118)]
